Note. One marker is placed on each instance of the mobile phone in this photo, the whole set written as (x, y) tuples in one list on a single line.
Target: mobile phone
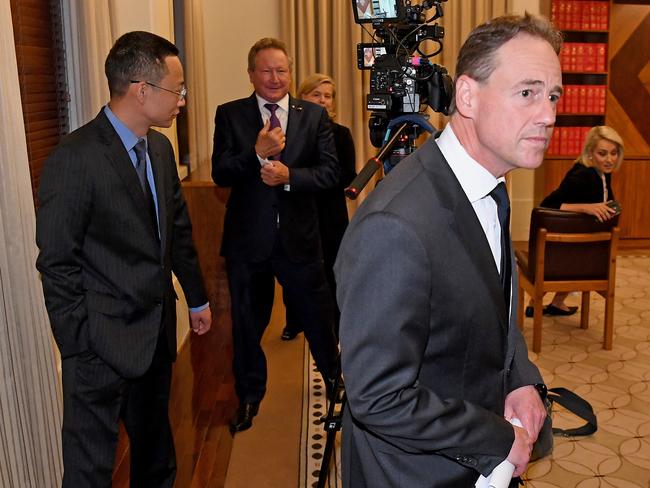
[(615, 205)]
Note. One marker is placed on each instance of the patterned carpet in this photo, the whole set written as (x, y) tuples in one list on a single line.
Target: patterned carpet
[(616, 383), (313, 436)]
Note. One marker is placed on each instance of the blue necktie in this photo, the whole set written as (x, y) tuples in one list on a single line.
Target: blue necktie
[(141, 168)]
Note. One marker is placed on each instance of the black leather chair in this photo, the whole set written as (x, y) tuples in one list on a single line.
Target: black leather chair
[(568, 251)]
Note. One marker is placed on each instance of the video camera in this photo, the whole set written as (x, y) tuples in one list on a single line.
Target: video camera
[(402, 79)]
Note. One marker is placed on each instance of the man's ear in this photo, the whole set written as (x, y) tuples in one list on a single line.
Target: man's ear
[(466, 99), (139, 91)]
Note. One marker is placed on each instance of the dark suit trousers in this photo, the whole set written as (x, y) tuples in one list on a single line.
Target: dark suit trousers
[(252, 291), (94, 398)]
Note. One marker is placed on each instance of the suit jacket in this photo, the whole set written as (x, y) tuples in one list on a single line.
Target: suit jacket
[(581, 184), (428, 350), (251, 221), (107, 279)]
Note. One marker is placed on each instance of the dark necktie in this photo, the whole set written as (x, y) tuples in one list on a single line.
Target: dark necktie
[(141, 168), (274, 121), (500, 196)]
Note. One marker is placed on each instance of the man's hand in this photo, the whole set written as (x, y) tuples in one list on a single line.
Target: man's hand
[(201, 321), (269, 142), (525, 404), (520, 451), (275, 173)]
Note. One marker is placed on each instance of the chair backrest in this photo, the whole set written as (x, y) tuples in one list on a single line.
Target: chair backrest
[(570, 261)]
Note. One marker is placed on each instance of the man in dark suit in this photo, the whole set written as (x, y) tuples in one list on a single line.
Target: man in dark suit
[(274, 152), (111, 227), (434, 364)]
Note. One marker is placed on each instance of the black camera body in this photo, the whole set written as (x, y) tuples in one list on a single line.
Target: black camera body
[(402, 79)]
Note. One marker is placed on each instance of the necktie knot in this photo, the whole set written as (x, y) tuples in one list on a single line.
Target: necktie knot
[(141, 153), (274, 121), (271, 107), (500, 195)]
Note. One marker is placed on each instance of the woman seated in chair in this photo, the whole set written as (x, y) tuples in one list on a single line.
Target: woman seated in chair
[(587, 188)]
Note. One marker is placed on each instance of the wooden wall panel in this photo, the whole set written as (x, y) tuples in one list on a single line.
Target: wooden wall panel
[(628, 101)]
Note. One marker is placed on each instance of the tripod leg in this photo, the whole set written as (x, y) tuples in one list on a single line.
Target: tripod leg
[(333, 423)]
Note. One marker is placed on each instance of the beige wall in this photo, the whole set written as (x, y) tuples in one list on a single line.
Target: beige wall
[(230, 30)]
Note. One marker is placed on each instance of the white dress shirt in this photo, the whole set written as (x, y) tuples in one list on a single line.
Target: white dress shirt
[(477, 183)]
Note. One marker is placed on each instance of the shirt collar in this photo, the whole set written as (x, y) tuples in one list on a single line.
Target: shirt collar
[(476, 181), (126, 135), (283, 103)]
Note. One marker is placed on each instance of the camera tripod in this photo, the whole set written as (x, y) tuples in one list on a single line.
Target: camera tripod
[(333, 421)]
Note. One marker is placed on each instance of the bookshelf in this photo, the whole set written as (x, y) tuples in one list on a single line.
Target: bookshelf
[(585, 25)]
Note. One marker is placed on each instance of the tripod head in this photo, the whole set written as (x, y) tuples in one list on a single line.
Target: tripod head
[(399, 141)]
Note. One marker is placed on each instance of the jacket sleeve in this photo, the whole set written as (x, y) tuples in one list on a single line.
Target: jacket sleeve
[(185, 263), (233, 161)]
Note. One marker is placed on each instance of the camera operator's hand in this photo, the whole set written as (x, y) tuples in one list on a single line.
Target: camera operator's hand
[(269, 142), (275, 173)]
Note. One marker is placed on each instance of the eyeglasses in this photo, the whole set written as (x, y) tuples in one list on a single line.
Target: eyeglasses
[(181, 94)]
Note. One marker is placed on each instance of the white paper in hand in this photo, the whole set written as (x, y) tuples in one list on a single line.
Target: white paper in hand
[(502, 474)]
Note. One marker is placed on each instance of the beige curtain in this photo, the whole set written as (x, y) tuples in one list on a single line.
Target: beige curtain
[(88, 39), (30, 405), (200, 133), (322, 37)]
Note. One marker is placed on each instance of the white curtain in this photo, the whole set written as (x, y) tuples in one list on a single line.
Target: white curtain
[(200, 133), (88, 39), (30, 399)]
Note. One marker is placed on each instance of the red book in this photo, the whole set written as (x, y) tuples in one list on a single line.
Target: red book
[(555, 13), (564, 140), (590, 58), (590, 96), (601, 57), (582, 99)]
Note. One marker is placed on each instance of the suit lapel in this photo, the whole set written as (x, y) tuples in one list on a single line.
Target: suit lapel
[(465, 224), (118, 157), (252, 115)]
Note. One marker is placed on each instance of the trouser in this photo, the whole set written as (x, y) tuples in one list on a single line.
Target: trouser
[(252, 291), (95, 398)]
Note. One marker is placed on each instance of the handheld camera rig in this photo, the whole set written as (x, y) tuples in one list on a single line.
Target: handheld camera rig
[(403, 81)]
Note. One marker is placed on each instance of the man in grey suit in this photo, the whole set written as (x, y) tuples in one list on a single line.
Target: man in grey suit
[(433, 362), (111, 227)]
